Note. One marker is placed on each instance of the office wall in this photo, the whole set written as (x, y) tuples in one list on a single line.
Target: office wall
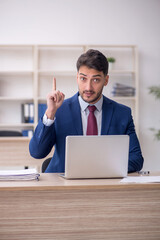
[(96, 22)]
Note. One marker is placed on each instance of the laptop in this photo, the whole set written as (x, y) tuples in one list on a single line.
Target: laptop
[(96, 156)]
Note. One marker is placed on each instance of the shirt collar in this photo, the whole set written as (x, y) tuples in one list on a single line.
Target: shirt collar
[(84, 104)]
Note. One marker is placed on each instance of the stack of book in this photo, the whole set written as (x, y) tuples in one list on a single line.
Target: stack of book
[(121, 90), (16, 175)]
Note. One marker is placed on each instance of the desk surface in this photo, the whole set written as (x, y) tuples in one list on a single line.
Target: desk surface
[(54, 181), (54, 208)]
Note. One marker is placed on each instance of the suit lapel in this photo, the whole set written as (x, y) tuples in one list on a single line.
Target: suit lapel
[(107, 111), (76, 114)]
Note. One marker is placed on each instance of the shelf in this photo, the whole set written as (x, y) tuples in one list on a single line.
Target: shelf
[(56, 73), (11, 72), (111, 46), (123, 98), (42, 99), (73, 73), (121, 72), (16, 125), (17, 139), (16, 99)]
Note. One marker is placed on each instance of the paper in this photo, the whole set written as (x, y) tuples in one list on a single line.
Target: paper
[(141, 179), (26, 174)]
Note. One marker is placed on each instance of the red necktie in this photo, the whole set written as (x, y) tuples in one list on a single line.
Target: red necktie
[(92, 122)]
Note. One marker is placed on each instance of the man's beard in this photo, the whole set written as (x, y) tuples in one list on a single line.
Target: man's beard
[(97, 97)]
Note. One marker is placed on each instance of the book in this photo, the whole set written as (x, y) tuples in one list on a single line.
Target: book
[(18, 175), (27, 133), (122, 90)]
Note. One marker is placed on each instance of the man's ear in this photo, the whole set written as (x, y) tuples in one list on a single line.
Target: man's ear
[(106, 80)]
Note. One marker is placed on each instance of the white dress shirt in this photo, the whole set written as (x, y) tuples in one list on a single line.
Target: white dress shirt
[(46, 121), (85, 112)]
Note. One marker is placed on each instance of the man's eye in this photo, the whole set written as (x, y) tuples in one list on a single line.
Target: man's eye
[(95, 80), (82, 78)]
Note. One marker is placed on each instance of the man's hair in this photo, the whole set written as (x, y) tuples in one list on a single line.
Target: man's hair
[(93, 59)]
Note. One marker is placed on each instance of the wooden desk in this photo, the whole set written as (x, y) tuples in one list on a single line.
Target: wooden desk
[(55, 208)]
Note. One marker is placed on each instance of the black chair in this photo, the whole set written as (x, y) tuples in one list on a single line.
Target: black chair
[(5, 133), (45, 164)]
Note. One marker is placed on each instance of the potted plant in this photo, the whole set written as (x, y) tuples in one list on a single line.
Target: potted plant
[(111, 61), (155, 90)]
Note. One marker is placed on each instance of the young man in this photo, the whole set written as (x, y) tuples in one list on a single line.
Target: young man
[(70, 117)]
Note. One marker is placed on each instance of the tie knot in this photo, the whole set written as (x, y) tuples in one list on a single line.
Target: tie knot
[(92, 108)]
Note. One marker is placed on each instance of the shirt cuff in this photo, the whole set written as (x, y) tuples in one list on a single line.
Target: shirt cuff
[(47, 122)]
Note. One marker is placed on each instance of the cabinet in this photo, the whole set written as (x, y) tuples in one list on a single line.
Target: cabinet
[(26, 73)]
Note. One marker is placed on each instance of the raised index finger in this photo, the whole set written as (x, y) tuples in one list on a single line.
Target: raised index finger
[(54, 84)]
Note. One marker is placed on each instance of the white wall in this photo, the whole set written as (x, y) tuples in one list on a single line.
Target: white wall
[(96, 22)]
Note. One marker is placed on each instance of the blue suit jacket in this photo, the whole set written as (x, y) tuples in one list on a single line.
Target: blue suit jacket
[(116, 120)]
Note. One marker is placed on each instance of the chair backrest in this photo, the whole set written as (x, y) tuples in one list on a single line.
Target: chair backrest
[(45, 164), (5, 133)]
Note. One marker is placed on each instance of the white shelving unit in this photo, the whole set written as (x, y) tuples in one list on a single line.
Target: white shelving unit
[(124, 71), (26, 73)]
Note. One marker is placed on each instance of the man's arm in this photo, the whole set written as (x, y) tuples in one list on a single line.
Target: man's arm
[(44, 136), (42, 141), (135, 155)]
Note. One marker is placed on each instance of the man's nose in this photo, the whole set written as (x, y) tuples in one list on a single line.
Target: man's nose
[(89, 85)]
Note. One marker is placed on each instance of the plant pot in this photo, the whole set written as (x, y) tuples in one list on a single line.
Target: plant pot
[(111, 66)]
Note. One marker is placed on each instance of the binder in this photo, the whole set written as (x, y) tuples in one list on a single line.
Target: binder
[(25, 113), (31, 113)]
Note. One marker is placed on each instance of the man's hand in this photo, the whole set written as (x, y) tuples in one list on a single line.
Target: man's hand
[(54, 101)]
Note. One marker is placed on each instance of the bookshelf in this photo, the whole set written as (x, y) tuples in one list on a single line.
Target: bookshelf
[(124, 71), (26, 73)]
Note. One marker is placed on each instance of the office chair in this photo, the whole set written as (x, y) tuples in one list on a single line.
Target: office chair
[(45, 164), (5, 133)]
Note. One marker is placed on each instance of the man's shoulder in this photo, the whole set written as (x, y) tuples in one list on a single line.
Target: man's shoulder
[(115, 104)]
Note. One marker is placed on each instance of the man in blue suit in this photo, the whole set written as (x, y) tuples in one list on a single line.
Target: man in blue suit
[(69, 117)]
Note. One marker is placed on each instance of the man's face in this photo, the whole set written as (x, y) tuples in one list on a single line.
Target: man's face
[(90, 84)]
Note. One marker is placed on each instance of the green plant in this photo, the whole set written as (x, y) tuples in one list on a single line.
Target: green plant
[(155, 90), (111, 59)]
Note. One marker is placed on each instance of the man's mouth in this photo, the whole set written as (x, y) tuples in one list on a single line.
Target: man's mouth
[(88, 93)]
